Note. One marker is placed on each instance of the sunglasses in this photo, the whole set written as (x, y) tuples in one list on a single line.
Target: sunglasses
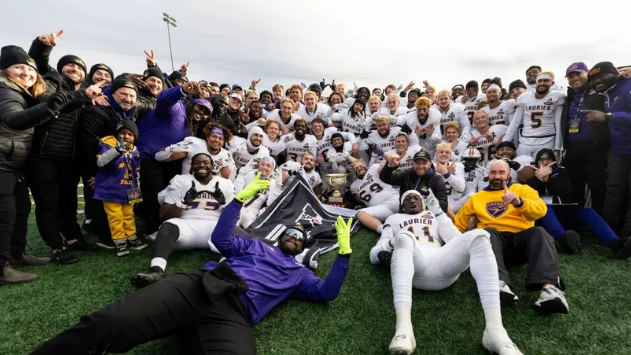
[(295, 233)]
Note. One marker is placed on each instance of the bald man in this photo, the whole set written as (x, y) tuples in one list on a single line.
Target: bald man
[(508, 211)]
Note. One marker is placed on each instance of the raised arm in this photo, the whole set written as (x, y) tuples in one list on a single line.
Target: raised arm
[(518, 118)]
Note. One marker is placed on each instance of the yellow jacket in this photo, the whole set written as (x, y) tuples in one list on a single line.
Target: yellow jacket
[(488, 207)]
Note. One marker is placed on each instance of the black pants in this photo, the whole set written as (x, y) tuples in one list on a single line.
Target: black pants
[(94, 211), (618, 185), (178, 304), (587, 165), (154, 177), (15, 205), (533, 246), (54, 188)]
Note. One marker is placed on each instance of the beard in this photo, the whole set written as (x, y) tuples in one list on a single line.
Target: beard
[(496, 184)]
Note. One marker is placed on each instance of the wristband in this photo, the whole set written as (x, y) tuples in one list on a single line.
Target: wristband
[(447, 175), (438, 214)]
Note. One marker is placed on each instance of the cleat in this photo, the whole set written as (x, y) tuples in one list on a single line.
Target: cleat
[(498, 342), (385, 257), (507, 297), (143, 279), (552, 300), (403, 342)]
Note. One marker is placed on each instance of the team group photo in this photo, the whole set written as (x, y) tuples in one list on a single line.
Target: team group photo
[(279, 193)]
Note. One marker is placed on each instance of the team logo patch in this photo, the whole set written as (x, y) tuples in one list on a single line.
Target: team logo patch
[(496, 208), (309, 215), (549, 102)]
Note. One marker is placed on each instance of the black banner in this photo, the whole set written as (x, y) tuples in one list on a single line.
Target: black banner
[(298, 204)]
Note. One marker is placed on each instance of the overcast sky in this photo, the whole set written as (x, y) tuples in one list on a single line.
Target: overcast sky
[(372, 43)]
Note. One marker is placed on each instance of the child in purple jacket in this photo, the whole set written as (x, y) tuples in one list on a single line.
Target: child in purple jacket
[(116, 185)]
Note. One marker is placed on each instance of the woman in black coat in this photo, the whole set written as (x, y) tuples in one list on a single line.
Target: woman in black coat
[(23, 106)]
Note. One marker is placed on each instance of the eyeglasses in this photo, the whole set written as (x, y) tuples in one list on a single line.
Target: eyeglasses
[(295, 233)]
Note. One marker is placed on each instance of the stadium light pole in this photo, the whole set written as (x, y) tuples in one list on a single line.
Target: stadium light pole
[(170, 21)]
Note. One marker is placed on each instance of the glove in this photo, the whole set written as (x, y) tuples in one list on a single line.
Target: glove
[(364, 134), (57, 100), (343, 230), (432, 204), (406, 129), (294, 171), (340, 157), (181, 147), (513, 164), (121, 146), (250, 190), (322, 84), (218, 195), (359, 207), (190, 195), (378, 150), (332, 85)]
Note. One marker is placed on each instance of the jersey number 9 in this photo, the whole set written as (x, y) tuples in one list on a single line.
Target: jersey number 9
[(366, 196)]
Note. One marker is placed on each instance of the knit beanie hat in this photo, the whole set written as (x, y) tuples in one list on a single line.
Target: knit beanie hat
[(11, 55), (71, 59), (100, 66), (130, 125), (152, 72), (122, 82)]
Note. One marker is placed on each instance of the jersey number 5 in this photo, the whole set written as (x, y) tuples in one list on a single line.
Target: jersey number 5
[(535, 119)]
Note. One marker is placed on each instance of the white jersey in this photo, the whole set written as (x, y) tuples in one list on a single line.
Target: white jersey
[(423, 225), (454, 114), (275, 147), (541, 118), (321, 111), (407, 159), (488, 147), (428, 143), (220, 160), (384, 111), (275, 116), (473, 105), (502, 114), (371, 190), (312, 177), (242, 155), (296, 149), (350, 124), (324, 143), (455, 183), (458, 149), (342, 158), (386, 143), (258, 201), (204, 206)]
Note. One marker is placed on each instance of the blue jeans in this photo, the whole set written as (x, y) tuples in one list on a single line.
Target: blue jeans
[(558, 218)]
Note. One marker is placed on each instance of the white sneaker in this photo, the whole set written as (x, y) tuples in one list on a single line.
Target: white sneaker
[(507, 297), (152, 236), (498, 342), (552, 300), (403, 342)]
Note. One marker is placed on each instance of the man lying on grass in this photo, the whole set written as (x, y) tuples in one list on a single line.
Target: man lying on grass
[(213, 308)]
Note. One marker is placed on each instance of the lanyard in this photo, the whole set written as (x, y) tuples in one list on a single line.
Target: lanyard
[(577, 105), (130, 171)]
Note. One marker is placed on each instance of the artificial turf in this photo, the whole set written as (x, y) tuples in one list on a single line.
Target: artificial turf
[(360, 321)]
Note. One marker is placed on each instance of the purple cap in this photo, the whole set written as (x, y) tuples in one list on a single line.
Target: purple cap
[(205, 103), (578, 67)]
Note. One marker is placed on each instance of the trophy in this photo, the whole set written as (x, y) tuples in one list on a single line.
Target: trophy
[(336, 181)]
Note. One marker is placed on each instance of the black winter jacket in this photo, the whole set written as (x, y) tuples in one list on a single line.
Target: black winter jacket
[(558, 186), (55, 140), (96, 122), (409, 180), (19, 114), (600, 130)]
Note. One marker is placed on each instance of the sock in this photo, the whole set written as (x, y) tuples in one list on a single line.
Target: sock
[(493, 317), (380, 229), (162, 263), (402, 272), (165, 241), (483, 268)]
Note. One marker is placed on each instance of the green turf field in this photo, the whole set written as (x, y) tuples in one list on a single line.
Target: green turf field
[(360, 321)]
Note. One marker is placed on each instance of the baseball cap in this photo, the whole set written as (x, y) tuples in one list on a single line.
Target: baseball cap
[(422, 155), (234, 94), (205, 103), (237, 87), (576, 67)]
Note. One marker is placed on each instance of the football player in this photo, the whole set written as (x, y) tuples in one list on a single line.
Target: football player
[(253, 206), (382, 199), (485, 137), (499, 111), (216, 137), (452, 113), (251, 149), (383, 138), (540, 112), (299, 142), (425, 122), (426, 251), (191, 206), (404, 150)]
